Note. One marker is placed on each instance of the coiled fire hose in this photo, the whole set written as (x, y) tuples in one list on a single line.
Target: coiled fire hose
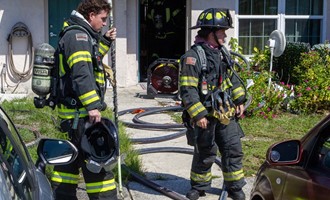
[(20, 30)]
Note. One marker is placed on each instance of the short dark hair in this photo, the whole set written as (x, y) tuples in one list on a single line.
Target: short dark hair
[(85, 7)]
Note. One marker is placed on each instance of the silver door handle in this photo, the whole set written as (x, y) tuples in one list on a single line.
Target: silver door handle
[(51, 34)]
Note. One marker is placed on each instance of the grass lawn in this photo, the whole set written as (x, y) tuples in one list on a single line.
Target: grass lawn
[(259, 133)]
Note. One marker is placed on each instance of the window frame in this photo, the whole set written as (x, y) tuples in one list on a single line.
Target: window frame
[(281, 17)]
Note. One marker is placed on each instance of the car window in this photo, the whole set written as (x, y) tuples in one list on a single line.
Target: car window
[(14, 162), (321, 156), (326, 160), (325, 154)]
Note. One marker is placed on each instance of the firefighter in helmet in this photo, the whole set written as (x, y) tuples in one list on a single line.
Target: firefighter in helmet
[(82, 87), (166, 24), (212, 96)]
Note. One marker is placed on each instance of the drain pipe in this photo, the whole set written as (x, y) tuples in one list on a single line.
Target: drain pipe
[(3, 73)]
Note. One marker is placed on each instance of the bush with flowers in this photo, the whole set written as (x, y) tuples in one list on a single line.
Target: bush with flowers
[(311, 93)]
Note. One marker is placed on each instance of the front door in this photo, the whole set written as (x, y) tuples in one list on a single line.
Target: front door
[(162, 31), (58, 11)]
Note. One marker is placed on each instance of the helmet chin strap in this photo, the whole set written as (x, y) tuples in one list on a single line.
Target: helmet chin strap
[(216, 39)]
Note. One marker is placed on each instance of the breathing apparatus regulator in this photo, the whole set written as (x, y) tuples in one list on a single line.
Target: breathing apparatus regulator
[(100, 146), (43, 76)]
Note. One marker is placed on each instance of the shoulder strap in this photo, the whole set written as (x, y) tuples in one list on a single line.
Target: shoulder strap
[(202, 57)]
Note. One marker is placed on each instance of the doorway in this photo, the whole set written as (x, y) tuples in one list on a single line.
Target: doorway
[(162, 32), (58, 11)]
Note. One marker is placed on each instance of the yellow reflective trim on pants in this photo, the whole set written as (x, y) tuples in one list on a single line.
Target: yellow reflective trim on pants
[(79, 56), (195, 109), (188, 81), (89, 97), (200, 178), (62, 177), (233, 176), (100, 186)]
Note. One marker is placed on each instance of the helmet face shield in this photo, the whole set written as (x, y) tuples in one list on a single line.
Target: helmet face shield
[(93, 166), (100, 147)]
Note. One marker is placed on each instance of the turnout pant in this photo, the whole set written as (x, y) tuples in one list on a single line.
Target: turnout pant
[(65, 178), (226, 138)]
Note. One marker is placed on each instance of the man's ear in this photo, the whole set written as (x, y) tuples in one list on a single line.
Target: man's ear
[(91, 16)]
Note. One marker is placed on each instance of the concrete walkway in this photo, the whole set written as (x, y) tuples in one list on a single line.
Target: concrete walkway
[(169, 170)]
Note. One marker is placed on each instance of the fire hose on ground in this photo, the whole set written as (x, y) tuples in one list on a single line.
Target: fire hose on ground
[(140, 124)]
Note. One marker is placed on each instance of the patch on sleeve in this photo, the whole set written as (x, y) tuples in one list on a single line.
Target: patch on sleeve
[(190, 61), (81, 37)]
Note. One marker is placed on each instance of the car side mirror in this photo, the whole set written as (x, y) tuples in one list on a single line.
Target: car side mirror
[(55, 152), (287, 152)]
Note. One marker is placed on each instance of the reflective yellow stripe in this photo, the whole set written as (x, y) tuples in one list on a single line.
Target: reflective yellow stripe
[(175, 12), (65, 24), (233, 176), (61, 70), (188, 81), (79, 56), (326, 144), (226, 84), (200, 178), (103, 49), (195, 109), (89, 97), (168, 14), (99, 76), (237, 93), (66, 113), (100, 186), (62, 177)]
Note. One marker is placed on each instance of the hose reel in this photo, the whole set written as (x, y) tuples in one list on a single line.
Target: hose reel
[(163, 77)]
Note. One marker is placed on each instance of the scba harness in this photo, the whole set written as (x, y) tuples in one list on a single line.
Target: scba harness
[(48, 80), (220, 101)]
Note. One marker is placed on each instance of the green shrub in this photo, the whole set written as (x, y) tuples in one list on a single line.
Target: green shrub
[(283, 65), (313, 86)]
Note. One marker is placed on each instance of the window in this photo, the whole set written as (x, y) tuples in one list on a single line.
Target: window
[(14, 161), (299, 20)]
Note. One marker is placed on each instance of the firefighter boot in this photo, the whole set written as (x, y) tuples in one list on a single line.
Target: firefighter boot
[(194, 194), (236, 194)]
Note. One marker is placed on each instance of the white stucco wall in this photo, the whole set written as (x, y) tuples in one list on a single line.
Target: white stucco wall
[(32, 15), (126, 18)]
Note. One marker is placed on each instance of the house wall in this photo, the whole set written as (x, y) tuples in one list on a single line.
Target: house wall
[(33, 16)]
